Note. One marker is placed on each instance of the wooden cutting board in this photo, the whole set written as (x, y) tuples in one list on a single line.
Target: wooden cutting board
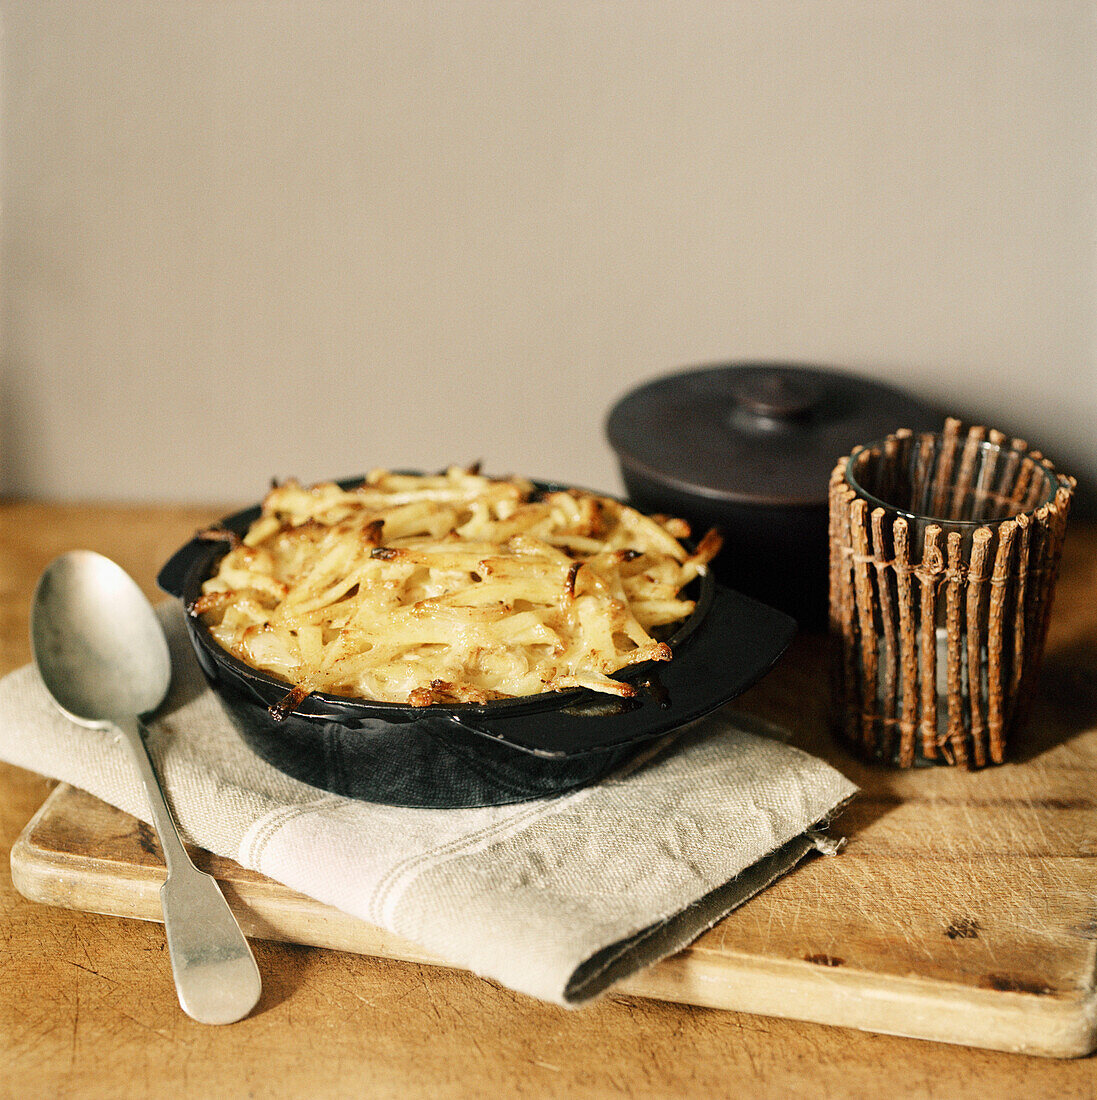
[(963, 908)]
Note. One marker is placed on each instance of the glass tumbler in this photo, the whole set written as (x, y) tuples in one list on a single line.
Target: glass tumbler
[(944, 553)]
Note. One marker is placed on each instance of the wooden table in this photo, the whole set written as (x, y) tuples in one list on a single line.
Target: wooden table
[(86, 1006)]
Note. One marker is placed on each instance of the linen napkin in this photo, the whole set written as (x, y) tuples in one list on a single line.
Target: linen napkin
[(557, 898)]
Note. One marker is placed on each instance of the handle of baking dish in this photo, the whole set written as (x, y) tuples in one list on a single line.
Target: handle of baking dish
[(172, 577), (173, 573), (736, 643)]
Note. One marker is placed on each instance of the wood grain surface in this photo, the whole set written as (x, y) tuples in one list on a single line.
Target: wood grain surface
[(979, 883)]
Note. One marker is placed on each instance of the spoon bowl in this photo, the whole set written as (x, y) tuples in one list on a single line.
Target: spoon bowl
[(98, 644), (103, 657)]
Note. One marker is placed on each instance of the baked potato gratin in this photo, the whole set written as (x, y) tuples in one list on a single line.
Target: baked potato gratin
[(448, 588)]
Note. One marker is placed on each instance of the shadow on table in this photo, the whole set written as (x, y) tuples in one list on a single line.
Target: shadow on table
[(1066, 700)]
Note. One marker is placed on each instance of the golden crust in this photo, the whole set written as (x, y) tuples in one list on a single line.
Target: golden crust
[(454, 587)]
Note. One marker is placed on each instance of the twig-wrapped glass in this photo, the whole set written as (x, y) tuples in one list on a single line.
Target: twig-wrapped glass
[(944, 553)]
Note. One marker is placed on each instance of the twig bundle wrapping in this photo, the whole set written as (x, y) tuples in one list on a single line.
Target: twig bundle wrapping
[(944, 554)]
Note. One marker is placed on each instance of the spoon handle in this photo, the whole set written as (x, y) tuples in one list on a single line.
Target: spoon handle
[(215, 972)]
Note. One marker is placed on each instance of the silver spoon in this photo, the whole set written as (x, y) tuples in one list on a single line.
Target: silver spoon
[(103, 657)]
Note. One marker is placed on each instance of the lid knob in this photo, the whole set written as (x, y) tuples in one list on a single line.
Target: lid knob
[(775, 395)]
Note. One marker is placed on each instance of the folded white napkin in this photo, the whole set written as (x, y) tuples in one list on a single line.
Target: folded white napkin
[(557, 898)]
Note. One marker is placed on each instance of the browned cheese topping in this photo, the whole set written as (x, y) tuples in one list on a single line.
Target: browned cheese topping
[(453, 587)]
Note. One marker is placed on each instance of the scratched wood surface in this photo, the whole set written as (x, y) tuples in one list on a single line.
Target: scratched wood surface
[(962, 903)]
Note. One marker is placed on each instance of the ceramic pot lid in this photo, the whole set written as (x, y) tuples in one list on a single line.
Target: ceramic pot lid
[(756, 433)]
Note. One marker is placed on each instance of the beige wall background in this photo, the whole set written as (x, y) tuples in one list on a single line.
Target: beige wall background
[(245, 240)]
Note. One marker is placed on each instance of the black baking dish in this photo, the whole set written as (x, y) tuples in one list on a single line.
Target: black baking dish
[(727, 644)]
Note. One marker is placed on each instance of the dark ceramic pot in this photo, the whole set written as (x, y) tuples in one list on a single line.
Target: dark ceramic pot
[(748, 448)]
